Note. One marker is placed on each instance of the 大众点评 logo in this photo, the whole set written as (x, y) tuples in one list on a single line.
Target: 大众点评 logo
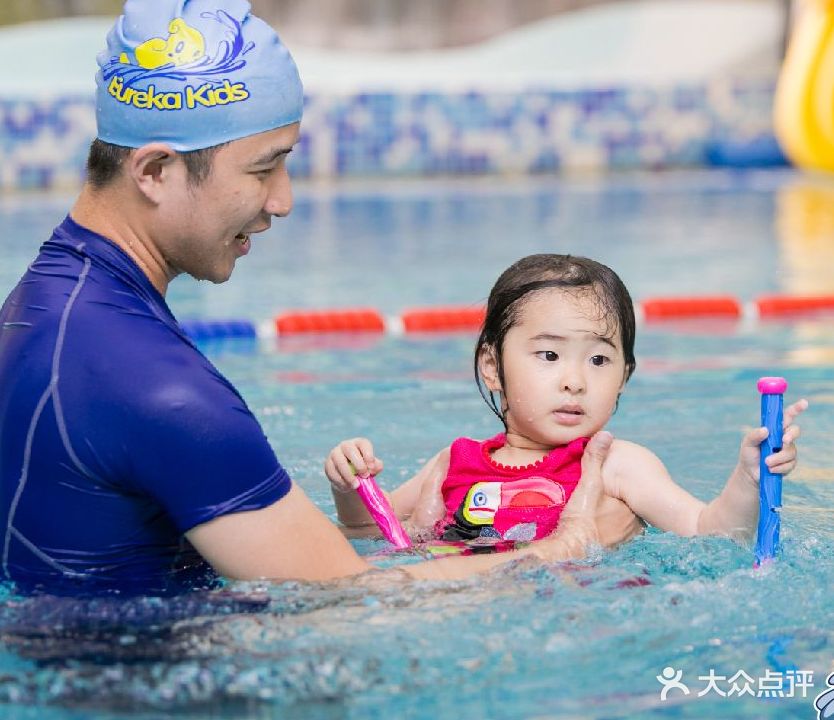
[(824, 702), (181, 56)]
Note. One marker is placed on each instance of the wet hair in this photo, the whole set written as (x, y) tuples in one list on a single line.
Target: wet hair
[(104, 163), (534, 273)]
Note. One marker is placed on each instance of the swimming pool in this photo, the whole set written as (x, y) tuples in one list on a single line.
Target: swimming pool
[(586, 641)]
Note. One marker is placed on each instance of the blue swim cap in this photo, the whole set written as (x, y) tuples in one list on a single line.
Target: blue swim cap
[(193, 74)]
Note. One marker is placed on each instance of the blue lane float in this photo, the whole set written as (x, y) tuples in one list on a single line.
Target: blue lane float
[(763, 151), (199, 330)]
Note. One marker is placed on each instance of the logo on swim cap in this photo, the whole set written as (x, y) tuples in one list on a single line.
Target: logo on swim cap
[(183, 45), (181, 56), (193, 74)]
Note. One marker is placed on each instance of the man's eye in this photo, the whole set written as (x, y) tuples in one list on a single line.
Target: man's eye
[(599, 360), (548, 355)]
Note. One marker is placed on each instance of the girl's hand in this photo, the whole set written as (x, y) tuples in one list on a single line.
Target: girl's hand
[(781, 462), (349, 459)]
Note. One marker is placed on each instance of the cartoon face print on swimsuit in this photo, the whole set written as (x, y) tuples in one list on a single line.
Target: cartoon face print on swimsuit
[(514, 508)]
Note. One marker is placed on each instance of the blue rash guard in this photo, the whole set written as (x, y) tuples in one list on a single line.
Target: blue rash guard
[(116, 434)]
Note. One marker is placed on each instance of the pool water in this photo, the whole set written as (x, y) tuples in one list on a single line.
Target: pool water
[(586, 640)]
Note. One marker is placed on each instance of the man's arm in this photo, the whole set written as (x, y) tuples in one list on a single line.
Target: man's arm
[(293, 539), (290, 539)]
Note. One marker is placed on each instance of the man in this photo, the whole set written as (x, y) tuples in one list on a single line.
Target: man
[(127, 461)]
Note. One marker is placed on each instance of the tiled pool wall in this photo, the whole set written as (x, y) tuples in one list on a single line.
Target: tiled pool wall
[(44, 142)]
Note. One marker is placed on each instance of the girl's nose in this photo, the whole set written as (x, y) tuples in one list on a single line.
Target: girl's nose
[(572, 381)]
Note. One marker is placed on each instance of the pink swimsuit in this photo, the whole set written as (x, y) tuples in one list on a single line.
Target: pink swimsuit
[(484, 498)]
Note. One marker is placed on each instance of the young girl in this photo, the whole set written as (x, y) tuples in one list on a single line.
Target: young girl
[(554, 354)]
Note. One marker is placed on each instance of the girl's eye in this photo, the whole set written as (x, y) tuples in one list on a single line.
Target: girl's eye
[(548, 355), (599, 360)]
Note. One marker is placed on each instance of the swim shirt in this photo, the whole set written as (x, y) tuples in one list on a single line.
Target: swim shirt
[(117, 435), (485, 499)]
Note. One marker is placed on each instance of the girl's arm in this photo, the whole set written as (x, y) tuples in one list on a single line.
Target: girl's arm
[(735, 512), (420, 500), (418, 496), (636, 476), (345, 461)]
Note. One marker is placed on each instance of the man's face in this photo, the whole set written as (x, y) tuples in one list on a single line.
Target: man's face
[(208, 226)]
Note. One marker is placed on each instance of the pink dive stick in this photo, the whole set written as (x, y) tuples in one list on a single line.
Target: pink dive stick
[(382, 512)]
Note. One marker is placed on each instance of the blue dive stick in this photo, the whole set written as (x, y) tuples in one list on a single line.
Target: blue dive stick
[(770, 484)]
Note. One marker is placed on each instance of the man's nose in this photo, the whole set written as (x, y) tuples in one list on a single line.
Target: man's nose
[(279, 199)]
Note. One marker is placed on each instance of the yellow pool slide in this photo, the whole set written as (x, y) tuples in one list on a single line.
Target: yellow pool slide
[(804, 104)]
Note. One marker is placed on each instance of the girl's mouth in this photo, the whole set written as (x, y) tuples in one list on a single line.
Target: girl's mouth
[(568, 415)]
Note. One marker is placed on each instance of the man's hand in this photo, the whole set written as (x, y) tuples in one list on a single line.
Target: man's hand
[(577, 529)]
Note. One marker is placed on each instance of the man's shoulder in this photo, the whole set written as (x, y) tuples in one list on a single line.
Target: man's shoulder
[(148, 366)]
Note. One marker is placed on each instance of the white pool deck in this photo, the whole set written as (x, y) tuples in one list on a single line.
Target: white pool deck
[(644, 42)]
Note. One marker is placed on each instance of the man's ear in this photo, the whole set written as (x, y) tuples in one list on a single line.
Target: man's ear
[(488, 367), (150, 169)]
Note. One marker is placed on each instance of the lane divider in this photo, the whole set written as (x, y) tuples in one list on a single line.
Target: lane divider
[(443, 319), (329, 321), (468, 318), (776, 305), (218, 329), (706, 306)]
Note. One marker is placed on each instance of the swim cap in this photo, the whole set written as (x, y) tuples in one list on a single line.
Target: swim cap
[(193, 74)]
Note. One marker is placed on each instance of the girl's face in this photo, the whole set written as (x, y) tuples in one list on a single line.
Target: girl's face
[(563, 370)]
